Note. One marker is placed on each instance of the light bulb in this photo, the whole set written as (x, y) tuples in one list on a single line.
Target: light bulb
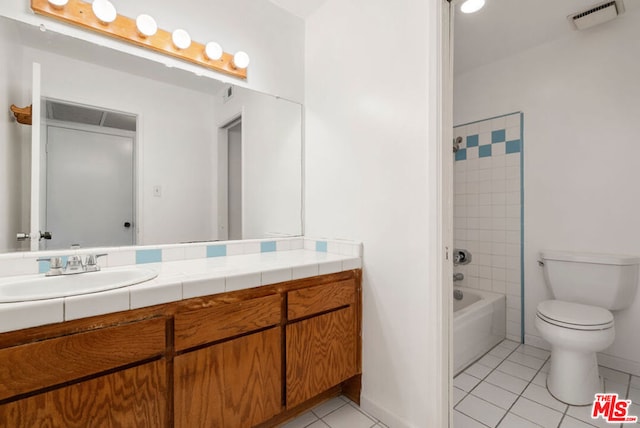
[(213, 51), (241, 59), (58, 4), (471, 6), (181, 39), (147, 26), (104, 10)]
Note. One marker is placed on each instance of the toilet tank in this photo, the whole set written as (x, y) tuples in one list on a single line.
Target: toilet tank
[(605, 280)]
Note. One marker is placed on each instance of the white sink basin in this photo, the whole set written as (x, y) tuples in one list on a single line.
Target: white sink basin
[(40, 287)]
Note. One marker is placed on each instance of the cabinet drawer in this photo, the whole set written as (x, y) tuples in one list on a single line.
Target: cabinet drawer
[(200, 326), (38, 365), (313, 300)]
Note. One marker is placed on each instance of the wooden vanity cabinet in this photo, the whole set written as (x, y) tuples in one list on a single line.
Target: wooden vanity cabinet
[(250, 358), (322, 339), (107, 377), (233, 378)]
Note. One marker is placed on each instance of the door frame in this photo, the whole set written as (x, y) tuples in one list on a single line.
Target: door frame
[(222, 174)]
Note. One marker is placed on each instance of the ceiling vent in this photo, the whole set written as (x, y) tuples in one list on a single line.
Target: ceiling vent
[(596, 15)]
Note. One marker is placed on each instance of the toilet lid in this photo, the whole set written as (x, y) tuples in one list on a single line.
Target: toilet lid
[(575, 315)]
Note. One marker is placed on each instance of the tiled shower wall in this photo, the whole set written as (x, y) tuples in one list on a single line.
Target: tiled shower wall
[(488, 210)]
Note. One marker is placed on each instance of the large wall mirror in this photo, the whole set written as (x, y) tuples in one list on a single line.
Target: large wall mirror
[(136, 153)]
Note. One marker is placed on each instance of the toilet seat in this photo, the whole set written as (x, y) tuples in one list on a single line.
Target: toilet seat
[(574, 316)]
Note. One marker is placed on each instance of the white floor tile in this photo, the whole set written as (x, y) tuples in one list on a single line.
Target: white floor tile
[(500, 352), (506, 381), (540, 379), (515, 421), (465, 382), (635, 382), (614, 375), (355, 406), (542, 396), (569, 422), (509, 344), (318, 424), (536, 413), (480, 410), (634, 394), (478, 370), (526, 360), (348, 417), (490, 361), (321, 410), (583, 413), (458, 395), (493, 394), (533, 351), (546, 367), (619, 388), (301, 421), (460, 420), (515, 369)]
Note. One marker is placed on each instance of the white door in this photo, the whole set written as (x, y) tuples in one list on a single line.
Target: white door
[(235, 182), (89, 188)]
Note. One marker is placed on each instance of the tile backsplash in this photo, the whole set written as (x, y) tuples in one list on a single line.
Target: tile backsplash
[(488, 209), (27, 263)]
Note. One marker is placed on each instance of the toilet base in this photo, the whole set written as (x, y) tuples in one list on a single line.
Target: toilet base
[(573, 376)]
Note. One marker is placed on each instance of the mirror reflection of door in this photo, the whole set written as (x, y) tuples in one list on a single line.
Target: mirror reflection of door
[(229, 177), (235, 181), (89, 177)]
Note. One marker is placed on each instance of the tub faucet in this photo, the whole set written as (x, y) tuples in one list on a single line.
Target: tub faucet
[(458, 276)]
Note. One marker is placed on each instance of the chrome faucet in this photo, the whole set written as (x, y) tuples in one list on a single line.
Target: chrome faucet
[(74, 264)]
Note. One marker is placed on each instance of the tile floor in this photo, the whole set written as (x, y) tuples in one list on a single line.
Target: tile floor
[(339, 412), (506, 389)]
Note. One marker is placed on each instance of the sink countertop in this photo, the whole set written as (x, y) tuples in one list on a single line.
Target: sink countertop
[(178, 280)]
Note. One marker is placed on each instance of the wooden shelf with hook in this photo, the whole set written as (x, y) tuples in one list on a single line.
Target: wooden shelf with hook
[(22, 114), (79, 13)]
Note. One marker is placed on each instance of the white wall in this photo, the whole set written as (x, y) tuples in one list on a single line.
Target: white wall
[(175, 130), (371, 175), (14, 143), (273, 38), (580, 97), (271, 161)]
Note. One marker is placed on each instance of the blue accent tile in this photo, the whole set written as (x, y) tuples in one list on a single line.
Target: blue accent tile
[(321, 246), (498, 136), (473, 140), (484, 151), (148, 256), (267, 246), (512, 146), (216, 250), (461, 154)]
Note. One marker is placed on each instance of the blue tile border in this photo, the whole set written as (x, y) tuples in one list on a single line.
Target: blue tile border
[(484, 151), (216, 250), (498, 136), (461, 154), (512, 146), (473, 140), (267, 246), (321, 246), (148, 256), (44, 265)]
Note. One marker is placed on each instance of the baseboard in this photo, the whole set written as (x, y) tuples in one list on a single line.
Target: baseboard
[(619, 364), (382, 414)]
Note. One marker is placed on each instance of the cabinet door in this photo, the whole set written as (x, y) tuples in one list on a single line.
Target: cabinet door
[(321, 353), (135, 397), (232, 384)]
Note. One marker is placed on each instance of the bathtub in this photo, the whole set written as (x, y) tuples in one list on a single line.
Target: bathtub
[(479, 323)]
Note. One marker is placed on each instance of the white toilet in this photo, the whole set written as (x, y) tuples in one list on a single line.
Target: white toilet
[(579, 322)]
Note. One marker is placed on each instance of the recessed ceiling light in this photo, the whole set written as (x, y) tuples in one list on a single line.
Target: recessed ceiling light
[(471, 6)]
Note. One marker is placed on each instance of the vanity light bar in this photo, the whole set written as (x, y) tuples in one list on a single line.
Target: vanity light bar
[(79, 13)]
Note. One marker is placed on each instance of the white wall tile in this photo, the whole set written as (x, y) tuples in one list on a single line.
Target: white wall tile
[(329, 267), (305, 271), (513, 121), (154, 293), (513, 133), (16, 316), (242, 281), (472, 153), (92, 304), (193, 287)]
